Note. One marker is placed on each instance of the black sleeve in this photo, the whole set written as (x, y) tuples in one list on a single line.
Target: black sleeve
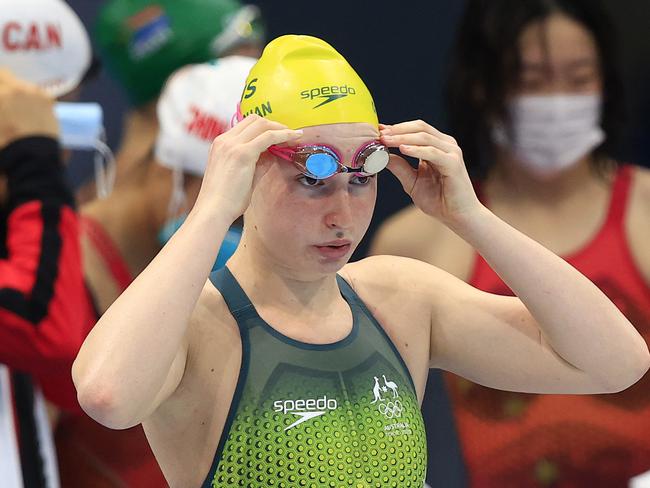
[(34, 172)]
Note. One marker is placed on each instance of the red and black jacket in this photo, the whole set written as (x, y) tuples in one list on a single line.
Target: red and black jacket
[(44, 306)]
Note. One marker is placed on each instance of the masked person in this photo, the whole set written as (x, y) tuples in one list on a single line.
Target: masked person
[(534, 102), (142, 42), (289, 366), (122, 233), (44, 53)]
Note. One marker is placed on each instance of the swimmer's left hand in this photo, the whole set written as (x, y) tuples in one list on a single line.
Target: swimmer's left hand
[(440, 186)]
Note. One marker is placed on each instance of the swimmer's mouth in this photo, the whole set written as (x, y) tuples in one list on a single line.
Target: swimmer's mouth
[(335, 249), (335, 244)]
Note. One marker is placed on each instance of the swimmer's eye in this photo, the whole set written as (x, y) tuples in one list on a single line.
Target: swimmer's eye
[(308, 181), (361, 180)]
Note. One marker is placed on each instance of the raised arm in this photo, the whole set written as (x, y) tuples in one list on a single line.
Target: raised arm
[(135, 356), (559, 334)]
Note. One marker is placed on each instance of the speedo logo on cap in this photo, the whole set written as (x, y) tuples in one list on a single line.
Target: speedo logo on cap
[(327, 94)]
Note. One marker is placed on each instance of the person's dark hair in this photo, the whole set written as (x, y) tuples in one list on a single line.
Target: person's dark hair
[(486, 64)]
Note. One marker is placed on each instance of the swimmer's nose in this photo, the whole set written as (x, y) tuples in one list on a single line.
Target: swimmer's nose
[(339, 215)]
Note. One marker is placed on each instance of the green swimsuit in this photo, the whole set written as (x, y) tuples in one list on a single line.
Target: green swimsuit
[(333, 415)]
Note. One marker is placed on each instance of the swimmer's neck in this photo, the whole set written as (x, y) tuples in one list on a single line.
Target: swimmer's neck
[(269, 284)]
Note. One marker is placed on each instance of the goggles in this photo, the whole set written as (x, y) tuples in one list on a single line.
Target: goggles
[(321, 162)]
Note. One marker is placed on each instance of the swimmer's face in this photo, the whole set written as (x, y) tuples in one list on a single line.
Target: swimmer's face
[(558, 56), (310, 225)]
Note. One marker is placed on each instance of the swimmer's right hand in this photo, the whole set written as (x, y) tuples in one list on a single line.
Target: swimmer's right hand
[(25, 110), (232, 164)]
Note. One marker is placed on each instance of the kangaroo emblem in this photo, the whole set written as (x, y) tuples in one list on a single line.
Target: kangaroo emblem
[(376, 390)]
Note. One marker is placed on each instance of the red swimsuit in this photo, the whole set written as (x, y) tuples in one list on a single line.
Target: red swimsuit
[(525, 440)]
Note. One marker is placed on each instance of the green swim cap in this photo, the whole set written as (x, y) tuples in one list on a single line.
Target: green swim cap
[(144, 41), (302, 81)]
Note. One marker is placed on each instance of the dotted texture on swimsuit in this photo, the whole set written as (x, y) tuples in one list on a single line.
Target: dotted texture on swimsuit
[(343, 415)]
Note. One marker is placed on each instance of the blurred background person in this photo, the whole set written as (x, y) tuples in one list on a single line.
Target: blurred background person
[(535, 102), (143, 41), (122, 233), (44, 53)]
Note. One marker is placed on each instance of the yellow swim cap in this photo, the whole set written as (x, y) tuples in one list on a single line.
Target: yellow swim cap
[(302, 81)]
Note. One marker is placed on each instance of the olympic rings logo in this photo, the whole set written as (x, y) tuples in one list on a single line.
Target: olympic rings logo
[(391, 410)]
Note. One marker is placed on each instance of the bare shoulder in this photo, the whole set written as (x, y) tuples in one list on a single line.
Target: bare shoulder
[(636, 224), (397, 282), (404, 233), (400, 293), (210, 305), (212, 360), (211, 324), (384, 270), (409, 298)]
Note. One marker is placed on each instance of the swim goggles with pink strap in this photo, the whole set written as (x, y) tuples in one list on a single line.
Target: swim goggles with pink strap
[(320, 161)]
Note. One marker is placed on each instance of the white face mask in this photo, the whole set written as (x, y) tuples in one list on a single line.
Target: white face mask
[(82, 129), (550, 133)]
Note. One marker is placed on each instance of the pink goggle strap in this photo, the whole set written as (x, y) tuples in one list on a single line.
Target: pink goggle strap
[(237, 116), (285, 153), (281, 152)]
